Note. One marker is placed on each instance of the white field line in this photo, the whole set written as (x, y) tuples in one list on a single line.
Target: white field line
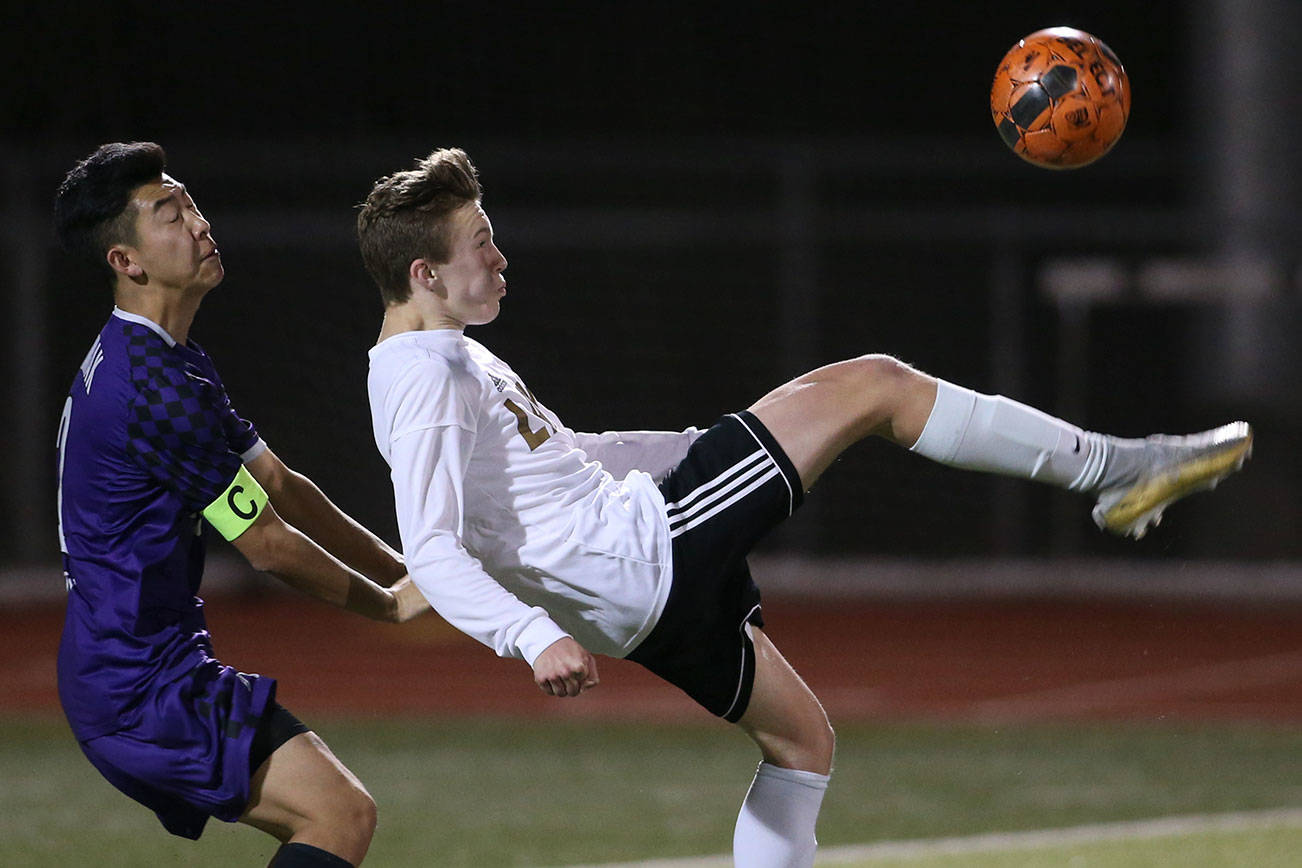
[(997, 842), (1199, 680)]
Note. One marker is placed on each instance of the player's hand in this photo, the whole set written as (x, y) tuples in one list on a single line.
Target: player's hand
[(565, 668), (408, 600)]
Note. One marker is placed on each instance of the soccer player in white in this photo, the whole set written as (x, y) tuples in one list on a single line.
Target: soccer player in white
[(552, 546)]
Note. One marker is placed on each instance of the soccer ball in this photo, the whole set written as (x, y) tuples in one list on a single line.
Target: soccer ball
[(1060, 98)]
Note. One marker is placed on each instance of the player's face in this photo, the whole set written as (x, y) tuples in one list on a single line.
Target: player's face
[(472, 276), (173, 245)]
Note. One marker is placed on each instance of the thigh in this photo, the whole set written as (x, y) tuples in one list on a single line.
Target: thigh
[(784, 717), (817, 416), (301, 783)]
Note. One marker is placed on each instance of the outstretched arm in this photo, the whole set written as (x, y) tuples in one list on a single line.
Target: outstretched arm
[(273, 546), (304, 506)]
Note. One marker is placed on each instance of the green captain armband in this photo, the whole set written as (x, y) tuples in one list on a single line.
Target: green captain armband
[(238, 506)]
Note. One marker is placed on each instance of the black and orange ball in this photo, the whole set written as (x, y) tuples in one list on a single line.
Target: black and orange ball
[(1060, 98)]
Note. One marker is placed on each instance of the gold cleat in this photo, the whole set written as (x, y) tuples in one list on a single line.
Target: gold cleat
[(1178, 467)]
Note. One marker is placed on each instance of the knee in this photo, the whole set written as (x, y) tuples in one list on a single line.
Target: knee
[(810, 750), (876, 372), (877, 386), (821, 749), (355, 817), (364, 815)]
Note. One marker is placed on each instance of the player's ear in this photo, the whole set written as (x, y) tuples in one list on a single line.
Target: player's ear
[(423, 274), (122, 260)]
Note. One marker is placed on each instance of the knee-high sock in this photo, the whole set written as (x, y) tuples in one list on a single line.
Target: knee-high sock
[(996, 435), (306, 856), (775, 828)]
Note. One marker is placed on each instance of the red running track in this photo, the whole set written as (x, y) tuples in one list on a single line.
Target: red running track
[(984, 660)]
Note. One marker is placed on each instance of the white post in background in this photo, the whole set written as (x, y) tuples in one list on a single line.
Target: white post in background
[(1242, 96)]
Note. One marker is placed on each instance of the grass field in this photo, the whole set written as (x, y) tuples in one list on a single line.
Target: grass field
[(507, 792), (1270, 847)]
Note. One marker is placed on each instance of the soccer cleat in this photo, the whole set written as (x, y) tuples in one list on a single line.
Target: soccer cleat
[(1173, 468)]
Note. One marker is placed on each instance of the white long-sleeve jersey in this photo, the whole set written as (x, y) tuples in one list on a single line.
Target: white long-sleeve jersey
[(516, 529)]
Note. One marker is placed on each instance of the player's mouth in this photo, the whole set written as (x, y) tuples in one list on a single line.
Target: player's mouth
[(214, 252)]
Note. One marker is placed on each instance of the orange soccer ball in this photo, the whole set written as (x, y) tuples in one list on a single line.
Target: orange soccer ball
[(1060, 98)]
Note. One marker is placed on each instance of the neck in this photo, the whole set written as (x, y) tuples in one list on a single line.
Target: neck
[(174, 311), (408, 317)]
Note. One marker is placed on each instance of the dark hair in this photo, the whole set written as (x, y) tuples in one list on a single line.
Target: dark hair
[(91, 211), (405, 218)]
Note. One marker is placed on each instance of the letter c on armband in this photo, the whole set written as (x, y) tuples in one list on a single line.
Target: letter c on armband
[(232, 518), (235, 508)]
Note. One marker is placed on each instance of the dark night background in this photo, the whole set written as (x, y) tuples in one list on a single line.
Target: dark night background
[(698, 202)]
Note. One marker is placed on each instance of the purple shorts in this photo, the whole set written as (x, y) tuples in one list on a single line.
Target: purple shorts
[(186, 757)]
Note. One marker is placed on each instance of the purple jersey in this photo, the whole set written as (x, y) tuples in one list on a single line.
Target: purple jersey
[(148, 439)]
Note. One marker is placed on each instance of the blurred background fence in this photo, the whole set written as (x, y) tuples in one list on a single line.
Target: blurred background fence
[(695, 245)]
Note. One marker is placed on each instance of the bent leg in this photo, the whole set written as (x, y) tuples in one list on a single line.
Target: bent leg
[(303, 794), (783, 716), (776, 824)]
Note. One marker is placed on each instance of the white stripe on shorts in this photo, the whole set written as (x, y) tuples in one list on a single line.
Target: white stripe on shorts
[(704, 488), (719, 507), (718, 487)]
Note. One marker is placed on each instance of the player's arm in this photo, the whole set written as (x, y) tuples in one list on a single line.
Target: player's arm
[(653, 452), (431, 411), (303, 505), (429, 476), (244, 515)]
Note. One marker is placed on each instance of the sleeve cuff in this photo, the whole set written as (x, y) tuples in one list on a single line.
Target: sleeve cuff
[(537, 638), (253, 451)]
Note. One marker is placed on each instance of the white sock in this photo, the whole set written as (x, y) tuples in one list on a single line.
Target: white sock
[(775, 828), (996, 435)]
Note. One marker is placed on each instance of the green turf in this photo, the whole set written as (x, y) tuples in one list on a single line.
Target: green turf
[(1257, 848), (507, 792)]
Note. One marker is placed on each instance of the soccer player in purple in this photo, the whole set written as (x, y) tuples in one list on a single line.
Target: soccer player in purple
[(149, 448)]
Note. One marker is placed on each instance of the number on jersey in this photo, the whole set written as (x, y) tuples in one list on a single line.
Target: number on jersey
[(533, 437)]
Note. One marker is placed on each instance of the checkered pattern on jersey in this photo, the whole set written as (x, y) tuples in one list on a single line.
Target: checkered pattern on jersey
[(181, 428), (240, 433)]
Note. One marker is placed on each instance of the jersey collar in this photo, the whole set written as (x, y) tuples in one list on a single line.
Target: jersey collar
[(147, 323)]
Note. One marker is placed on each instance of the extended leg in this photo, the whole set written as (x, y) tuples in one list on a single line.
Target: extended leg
[(312, 803), (816, 416)]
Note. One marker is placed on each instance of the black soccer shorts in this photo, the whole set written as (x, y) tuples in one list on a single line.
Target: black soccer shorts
[(734, 486)]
